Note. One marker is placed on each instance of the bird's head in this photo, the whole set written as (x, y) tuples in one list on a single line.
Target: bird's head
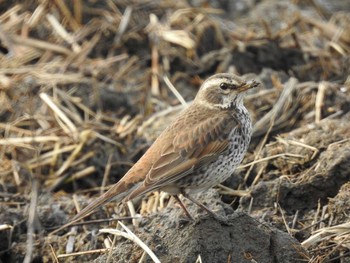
[(224, 90)]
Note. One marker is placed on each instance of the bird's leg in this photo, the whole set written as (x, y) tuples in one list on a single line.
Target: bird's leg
[(209, 211), (183, 207), (199, 204)]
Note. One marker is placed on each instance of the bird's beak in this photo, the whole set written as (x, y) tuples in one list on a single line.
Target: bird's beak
[(249, 85)]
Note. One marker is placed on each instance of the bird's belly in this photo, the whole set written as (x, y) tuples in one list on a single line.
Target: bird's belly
[(219, 170)]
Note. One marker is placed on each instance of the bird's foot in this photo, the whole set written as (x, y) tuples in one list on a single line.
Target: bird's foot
[(222, 219), (184, 220)]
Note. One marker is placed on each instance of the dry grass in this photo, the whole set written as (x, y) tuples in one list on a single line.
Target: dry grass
[(78, 81)]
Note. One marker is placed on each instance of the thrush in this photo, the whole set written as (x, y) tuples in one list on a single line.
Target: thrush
[(199, 150)]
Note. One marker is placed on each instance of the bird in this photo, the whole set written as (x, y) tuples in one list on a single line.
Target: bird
[(198, 150)]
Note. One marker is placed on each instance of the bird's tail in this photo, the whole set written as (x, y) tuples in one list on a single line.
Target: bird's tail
[(116, 193)]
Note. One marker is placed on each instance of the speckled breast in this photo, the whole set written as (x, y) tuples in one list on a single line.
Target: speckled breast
[(223, 167)]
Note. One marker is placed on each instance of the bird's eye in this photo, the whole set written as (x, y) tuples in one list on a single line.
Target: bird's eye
[(224, 86)]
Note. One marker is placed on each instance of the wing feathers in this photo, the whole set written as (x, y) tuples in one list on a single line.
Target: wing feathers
[(201, 139)]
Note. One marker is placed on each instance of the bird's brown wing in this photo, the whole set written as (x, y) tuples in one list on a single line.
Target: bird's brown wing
[(189, 143), (199, 142)]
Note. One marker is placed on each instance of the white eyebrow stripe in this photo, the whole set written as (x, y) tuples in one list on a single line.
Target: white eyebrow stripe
[(212, 82), (217, 82)]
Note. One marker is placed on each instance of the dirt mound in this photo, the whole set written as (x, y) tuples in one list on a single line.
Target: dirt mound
[(237, 238)]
